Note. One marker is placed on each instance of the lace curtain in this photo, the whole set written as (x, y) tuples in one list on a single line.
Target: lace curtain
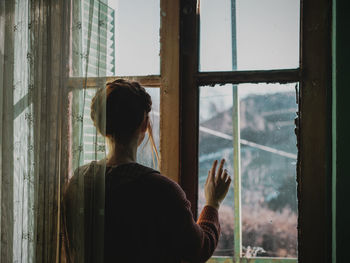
[(49, 50)]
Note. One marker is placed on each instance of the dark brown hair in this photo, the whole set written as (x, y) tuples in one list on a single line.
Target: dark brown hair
[(119, 109)]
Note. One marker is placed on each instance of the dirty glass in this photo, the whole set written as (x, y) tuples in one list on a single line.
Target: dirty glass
[(137, 24), (267, 165), (215, 142), (249, 34), (268, 170)]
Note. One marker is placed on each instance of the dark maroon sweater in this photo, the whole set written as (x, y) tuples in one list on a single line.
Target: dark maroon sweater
[(147, 219)]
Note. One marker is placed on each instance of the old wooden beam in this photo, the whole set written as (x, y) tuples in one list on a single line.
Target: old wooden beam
[(169, 91), (93, 82), (251, 76), (314, 136), (189, 100)]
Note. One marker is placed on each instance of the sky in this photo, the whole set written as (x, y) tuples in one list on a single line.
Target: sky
[(137, 36), (267, 37)]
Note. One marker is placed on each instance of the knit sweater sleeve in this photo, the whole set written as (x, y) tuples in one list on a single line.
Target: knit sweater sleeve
[(197, 240), (205, 235)]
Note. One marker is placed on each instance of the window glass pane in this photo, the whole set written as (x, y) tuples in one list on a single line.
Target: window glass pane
[(137, 36), (215, 142), (215, 36), (268, 169), (264, 34), (268, 165)]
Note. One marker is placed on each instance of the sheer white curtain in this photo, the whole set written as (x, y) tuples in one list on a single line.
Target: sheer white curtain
[(48, 49)]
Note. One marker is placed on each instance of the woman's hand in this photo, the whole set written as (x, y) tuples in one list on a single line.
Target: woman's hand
[(216, 186)]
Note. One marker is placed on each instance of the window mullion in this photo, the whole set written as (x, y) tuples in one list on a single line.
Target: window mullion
[(237, 174), (151, 81), (169, 96), (249, 76), (189, 100)]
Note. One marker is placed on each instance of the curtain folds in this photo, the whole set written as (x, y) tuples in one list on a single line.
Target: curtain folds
[(48, 49)]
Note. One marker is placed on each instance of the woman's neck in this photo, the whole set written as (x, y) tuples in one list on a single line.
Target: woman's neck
[(120, 154)]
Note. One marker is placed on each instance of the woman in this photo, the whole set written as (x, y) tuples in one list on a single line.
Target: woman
[(132, 213)]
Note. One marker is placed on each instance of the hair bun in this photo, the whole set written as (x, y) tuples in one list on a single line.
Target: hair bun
[(118, 110)]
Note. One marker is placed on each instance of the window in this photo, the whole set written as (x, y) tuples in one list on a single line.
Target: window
[(149, 56), (186, 79), (251, 125), (260, 63)]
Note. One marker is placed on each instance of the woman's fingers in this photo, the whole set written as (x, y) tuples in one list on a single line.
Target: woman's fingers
[(224, 175), (219, 173), (220, 176), (227, 185), (225, 180), (217, 184), (206, 181), (212, 171)]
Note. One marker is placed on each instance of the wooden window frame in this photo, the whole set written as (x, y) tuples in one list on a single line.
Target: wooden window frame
[(313, 123)]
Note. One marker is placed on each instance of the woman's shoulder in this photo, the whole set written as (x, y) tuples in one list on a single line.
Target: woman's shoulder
[(161, 179), (89, 169), (85, 173), (166, 186)]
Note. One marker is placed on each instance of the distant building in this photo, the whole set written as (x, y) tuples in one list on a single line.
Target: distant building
[(93, 55), (101, 59)]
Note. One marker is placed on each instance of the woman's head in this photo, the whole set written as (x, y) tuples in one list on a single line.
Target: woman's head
[(120, 110)]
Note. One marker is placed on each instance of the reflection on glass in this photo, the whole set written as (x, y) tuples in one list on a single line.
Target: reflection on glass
[(137, 36), (268, 170), (268, 165), (264, 34), (94, 40)]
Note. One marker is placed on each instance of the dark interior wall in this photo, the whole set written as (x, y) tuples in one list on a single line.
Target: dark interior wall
[(341, 129)]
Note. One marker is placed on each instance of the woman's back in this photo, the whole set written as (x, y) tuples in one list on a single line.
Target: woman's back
[(147, 218), (137, 216)]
